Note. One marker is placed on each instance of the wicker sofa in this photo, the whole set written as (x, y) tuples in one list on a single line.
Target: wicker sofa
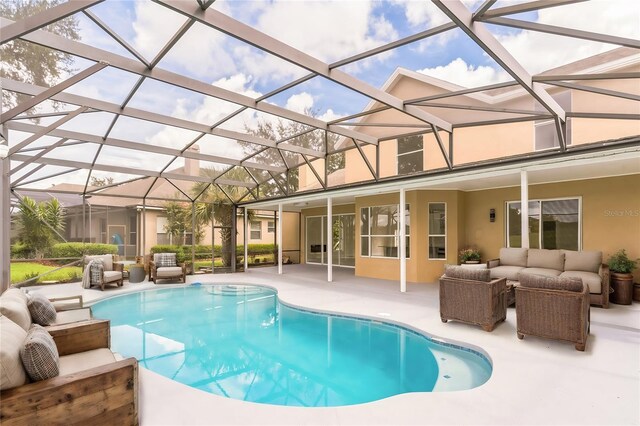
[(554, 308), (470, 296), (586, 265)]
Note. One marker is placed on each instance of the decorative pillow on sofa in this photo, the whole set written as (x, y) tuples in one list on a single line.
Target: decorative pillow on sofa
[(453, 271), (550, 283), (13, 305), (39, 354), (547, 259), (96, 269), (42, 311), (163, 260), (588, 261), (11, 339)]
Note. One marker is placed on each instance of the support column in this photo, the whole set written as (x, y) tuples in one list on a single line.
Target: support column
[(144, 227), (5, 221), (245, 229), (280, 238), (402, 244), (524, 208), (193, 237), (329, 239), (234, 239)]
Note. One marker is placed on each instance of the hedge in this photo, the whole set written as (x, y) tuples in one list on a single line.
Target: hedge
[(21, 251), (81, 249), (183, 253)]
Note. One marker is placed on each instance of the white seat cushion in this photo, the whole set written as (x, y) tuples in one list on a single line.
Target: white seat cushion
[(541, 271), (82, 361), (110, 276), (13, 304), (513, 256), (107, 260), (12, 372), (546, 259), (588, 261), (169, 271), (74, 315), (508, 272), (589, 278)]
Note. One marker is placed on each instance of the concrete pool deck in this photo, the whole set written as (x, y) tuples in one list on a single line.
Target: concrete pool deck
[(534, 381)]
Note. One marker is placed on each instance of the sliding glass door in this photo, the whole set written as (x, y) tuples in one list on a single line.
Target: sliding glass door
[(343, 245)]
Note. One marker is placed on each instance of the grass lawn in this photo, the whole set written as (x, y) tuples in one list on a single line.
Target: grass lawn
[(20, 271)]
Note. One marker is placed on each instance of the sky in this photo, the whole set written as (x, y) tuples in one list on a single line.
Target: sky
[(327, 30)]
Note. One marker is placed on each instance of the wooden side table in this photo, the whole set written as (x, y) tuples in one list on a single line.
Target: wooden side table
[(622, 292)]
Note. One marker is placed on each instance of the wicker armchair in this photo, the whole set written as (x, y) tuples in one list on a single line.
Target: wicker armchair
[(469, 296), (553, 308), (164, 266)]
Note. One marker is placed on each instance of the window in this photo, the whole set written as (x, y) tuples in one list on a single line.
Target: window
[(553, 224), (545, 130), (103, 231), (410, 158), (437, 231), (256, 230), (379, 231), (161, 233), (271, 227), (133, 227)]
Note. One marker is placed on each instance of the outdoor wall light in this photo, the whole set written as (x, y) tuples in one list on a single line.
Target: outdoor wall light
[(4, 152), (492, 215)]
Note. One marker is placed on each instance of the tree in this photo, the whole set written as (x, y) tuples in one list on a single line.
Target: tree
[(179, 222), (38, 224), (278, 130), (95, 181), (29, 62)]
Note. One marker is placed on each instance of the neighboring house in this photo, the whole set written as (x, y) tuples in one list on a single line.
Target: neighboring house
[(569, 211)]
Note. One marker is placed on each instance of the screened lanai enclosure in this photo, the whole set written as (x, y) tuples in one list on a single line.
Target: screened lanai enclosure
[(162, 122)]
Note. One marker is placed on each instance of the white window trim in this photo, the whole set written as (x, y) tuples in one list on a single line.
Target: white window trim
[(323, 236), (273, 229), (578, 197), (396, 236), (251, 222), (429, 234)]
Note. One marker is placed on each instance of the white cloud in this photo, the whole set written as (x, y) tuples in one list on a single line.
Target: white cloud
[(300, 102), (426, 14), (539, 52), (463, 74)]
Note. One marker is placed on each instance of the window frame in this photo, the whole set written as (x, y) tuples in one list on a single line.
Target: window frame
[(541, 200), (251, 230), (396, 236), (429, 234), (404, 154), (271, 226)]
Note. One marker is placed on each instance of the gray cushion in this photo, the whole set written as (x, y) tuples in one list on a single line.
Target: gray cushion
[(39, 354), (453, 271), (508, 272), (166, 272), (588, 261), (107, 260), (164, 260), (110, 276), (13, 304), (547, 259), (513, 257), (551, 283), (541, 271), (42, 311), (591, 279), (12, 372)]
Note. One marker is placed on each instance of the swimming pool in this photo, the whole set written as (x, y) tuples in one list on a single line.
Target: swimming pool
[(241, 342)]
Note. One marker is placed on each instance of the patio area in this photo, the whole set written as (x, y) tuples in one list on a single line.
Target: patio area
[(534, 381)]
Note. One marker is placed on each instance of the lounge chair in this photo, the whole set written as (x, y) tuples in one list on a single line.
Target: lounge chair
[(110, 273), (164, 266)]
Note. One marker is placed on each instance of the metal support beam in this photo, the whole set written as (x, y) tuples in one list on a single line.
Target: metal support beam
[(402, 249), (245, 231), (193, 237), (479, 33), (38, 155), (279, 238), (526, 7), (44, 18), (598, 90), (482, 9), (366, 160), (329, 243), (524, 209), (315, 173), (441, 146), (42, 96), (5, 222)]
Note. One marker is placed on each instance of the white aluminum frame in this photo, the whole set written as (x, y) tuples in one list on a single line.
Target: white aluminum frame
[(429, 234)]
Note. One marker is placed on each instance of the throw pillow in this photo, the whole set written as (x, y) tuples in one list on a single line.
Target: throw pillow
[(39, 354), (96, 268), (164, 260), (42, 311)]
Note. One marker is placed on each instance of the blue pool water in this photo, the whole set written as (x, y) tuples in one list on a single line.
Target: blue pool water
[(242, 343)]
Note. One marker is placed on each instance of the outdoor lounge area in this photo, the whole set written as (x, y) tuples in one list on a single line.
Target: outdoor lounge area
[(320, 212)]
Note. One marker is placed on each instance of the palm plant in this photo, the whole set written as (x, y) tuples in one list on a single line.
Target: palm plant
[(39, 224)]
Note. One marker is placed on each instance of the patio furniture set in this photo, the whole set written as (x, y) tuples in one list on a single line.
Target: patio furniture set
[(102, 270), (53, 364), (552, 291)]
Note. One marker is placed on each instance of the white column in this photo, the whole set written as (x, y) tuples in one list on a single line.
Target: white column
[(280, 238), (245, 227), (329, 239), (5, 221), (524, 208), (402, 243)]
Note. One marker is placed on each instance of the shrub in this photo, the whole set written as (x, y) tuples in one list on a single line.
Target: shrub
[(21, 251), (619, 262), (81, 249)]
